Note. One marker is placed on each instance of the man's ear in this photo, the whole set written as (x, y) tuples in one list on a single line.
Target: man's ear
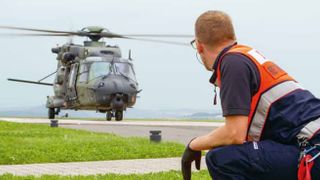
[(200, 47)]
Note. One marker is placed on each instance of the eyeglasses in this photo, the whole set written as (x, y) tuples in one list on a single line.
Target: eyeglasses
[(193, 44)]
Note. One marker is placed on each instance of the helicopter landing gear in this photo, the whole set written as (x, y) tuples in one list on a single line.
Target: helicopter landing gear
[(109, 115), (119, 115), (51, 113)]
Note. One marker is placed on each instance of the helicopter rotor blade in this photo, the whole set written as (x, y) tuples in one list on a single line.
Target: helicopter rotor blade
[(97, 35), (113, 35), (32, 34), (63, 33), (160, 41), (36, 30), (161, 35)]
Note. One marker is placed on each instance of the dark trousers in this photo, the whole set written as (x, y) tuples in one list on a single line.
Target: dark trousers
[(264, 160)]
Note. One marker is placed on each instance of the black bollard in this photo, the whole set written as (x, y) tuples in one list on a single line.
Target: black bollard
[(54, 123), (155, 136)]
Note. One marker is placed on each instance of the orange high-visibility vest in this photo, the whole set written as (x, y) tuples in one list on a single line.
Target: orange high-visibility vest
[(275, 83)]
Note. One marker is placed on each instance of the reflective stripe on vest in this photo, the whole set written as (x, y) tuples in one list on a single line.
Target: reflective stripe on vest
[(264, 104), (309, 130)]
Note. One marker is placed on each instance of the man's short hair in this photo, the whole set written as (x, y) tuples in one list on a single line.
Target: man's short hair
[(214, 27)]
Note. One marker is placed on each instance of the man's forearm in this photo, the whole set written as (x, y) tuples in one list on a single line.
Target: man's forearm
[(233, 132), (218, 137)]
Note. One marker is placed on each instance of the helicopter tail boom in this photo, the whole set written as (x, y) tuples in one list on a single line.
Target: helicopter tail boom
[(30, 82)]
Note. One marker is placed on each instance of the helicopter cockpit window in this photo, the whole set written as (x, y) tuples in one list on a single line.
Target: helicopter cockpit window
[(125, 69), (83, 73), (98, 69)]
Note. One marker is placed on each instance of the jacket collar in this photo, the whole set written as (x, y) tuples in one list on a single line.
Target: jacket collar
[(217, 62)]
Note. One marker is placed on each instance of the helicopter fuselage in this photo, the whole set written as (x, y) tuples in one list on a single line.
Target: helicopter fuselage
[(93, 77)]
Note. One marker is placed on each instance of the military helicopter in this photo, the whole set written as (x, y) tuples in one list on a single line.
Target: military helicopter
[(92, 76)]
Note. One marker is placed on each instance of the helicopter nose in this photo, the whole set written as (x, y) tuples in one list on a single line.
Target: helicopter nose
[(115, 90), (118, 101), (116, 84)]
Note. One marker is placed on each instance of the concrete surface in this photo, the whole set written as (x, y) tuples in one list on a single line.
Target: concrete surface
[(136, 166), (179, 131), (181, 134)]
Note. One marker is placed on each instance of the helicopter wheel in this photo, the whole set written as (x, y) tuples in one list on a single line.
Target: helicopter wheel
[(51, 113), (119, 115), (109, 116)]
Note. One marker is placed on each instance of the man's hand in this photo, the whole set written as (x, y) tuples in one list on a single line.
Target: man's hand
[(188, 157)]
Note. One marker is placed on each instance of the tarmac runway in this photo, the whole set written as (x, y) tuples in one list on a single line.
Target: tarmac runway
[(178, 131)]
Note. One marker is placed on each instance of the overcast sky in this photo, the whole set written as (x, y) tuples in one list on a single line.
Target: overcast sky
[(287, 31)]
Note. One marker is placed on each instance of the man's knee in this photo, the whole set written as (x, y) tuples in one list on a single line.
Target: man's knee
[(228, 162), (211, 161), (211, 158), (226, 158)]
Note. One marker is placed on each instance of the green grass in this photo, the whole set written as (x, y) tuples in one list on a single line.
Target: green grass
[(171, 175), (33, 143)]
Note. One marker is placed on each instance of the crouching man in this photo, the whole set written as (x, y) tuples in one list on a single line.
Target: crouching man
[(271, 122)]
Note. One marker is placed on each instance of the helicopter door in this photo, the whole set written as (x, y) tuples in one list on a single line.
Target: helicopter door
[(72, 93)]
